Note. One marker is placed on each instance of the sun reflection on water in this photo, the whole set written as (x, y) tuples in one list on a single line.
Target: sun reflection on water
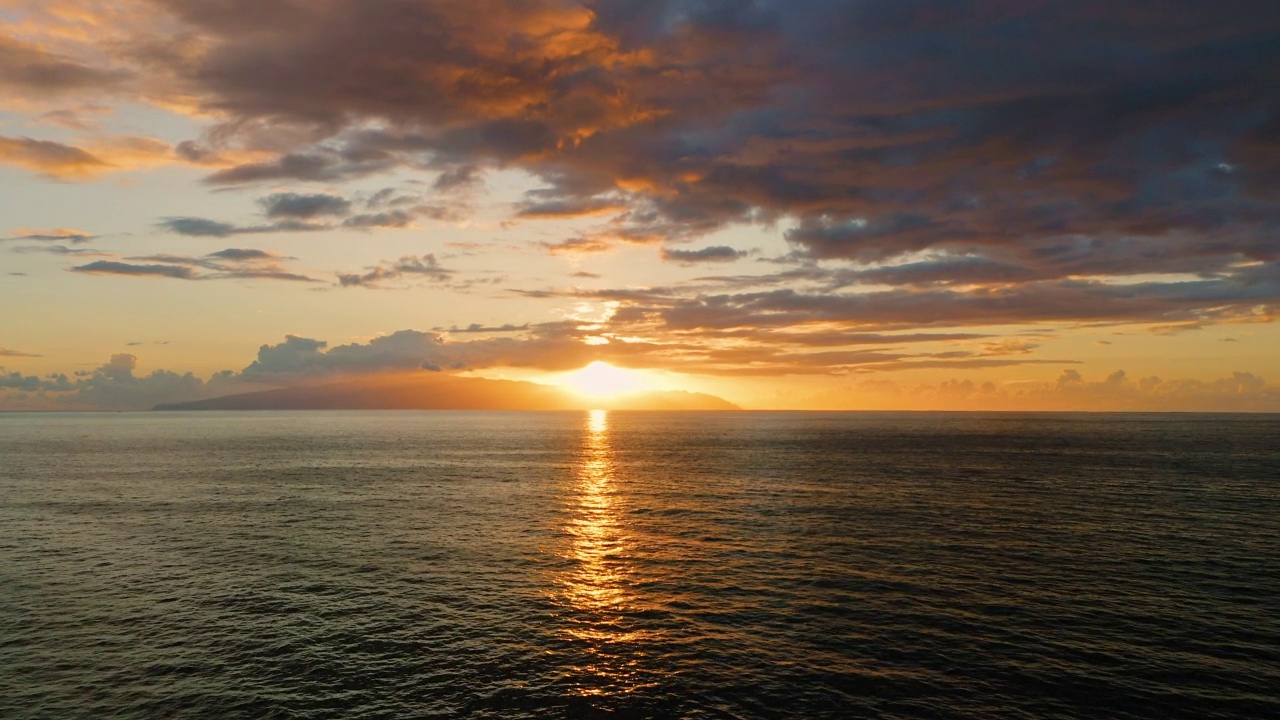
[(596, 590)]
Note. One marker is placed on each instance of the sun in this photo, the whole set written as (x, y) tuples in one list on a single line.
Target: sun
[(602, 380)]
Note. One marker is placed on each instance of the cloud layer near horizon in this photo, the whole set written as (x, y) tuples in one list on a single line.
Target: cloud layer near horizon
[(303, 361)]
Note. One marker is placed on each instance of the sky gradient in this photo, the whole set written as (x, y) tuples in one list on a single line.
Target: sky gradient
[(867, 204)]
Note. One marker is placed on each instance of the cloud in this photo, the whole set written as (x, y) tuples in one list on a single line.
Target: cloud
[(387, 219), (1239, 392), (713, 254), (203, 227), (74, 237), (876, 129), (410, 265), (51, 159), (570, 208), (112, 386), (245, 254), (560, 346), (299, 357), (35, 72), (291, 212), (478, 328), (94, 156), (574, 246), (304, 207), (16, 353), (929, 163), (312, 167), (228, 264), (82, 117), (198, 227), (59, 250), (1208, 300), (458, 178), (111, 267)]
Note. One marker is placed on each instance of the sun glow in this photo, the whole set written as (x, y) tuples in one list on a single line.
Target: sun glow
[(602, 380)]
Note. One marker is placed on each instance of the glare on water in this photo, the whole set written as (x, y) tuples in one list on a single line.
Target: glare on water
[(596, 589)]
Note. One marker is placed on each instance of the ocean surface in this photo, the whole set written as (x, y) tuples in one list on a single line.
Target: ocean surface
[(620, 565)]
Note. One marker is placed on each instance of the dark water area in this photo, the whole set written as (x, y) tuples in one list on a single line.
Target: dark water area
[(737, 565)]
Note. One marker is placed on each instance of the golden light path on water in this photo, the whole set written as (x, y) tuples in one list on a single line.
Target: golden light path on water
[(597, 589)]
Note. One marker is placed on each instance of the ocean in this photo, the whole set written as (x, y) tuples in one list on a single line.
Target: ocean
[(639, 565)]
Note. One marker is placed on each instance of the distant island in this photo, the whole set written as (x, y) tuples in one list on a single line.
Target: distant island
[(445, 392)]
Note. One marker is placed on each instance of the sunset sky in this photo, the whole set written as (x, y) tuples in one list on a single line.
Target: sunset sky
[(867, 204)]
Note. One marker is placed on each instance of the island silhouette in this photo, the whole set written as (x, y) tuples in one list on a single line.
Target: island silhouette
[(446, 392)]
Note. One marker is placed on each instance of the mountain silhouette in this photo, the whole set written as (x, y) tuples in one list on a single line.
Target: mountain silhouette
[(445, 392)]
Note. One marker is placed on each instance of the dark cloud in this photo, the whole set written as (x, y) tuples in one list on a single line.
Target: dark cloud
[(570, 208), (876, 130), (307, 213), (457, 178), (304, 207), (59, 250), (198, 227), (111, 267), (312, 167), (1061, 301), (714, 253), (387, 219), (425, 266), (36, 72), (245, 254), (75, 237), (203, 227), (228, 264)]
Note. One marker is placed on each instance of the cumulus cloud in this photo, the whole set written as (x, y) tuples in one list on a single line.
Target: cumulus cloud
[(114, 385), (299, 357)]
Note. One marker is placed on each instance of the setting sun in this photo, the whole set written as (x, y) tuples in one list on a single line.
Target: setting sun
[(602, 380)]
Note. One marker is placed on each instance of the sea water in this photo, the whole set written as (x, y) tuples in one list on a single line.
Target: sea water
[(699, 565)]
